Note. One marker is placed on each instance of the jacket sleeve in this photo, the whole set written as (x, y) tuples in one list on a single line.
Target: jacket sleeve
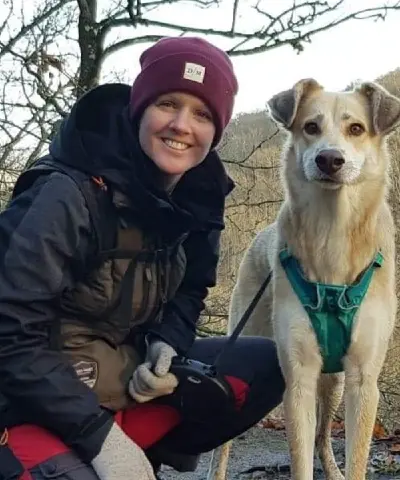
[(45, 234), (178, 326)]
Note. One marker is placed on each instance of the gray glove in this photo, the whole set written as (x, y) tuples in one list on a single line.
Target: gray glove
[(120, 458), (152, 379)]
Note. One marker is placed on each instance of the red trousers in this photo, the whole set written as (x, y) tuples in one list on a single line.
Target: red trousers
[(146, 424)]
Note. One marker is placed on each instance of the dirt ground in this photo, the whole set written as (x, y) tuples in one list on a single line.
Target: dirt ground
[(263, 454)]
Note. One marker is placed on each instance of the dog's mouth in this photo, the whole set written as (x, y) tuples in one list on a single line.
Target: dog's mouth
[(329, 182)]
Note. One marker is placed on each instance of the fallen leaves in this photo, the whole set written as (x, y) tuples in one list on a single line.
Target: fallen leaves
[(395, 448), (273, 423), (385, 448), (379, 431), (385, 462)]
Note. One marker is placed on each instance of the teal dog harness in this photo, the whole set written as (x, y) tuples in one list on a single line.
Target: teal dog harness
[(331, 308)]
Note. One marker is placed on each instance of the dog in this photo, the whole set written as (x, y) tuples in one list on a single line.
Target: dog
[(335, 230)]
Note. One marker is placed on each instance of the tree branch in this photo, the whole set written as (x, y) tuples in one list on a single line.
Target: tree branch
[(111, 49), (6, 20), (297, 40), (34, 23), (234, 14), (270, 36), (84, 8), (253, 151)]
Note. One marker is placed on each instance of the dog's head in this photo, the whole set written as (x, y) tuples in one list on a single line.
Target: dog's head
[(337, 138)]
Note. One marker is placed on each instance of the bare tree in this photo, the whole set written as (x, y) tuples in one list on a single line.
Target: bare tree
[(52, 51)]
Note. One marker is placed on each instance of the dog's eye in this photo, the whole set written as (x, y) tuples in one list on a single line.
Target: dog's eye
[(311, 128), (356, 129)]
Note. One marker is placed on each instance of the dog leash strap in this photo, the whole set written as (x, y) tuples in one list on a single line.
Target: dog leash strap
[(242, 322)]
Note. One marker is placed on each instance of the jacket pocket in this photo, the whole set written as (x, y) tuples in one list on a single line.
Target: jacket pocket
[(104, 368)]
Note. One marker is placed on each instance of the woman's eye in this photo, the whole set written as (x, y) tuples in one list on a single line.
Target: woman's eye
[(166, 104), (204, 114)]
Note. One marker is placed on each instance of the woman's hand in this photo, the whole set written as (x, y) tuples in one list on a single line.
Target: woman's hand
[(152, 379)]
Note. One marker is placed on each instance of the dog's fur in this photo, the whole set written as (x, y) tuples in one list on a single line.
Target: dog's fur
[(333, 224)]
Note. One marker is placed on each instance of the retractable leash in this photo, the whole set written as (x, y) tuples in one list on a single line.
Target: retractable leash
[(199, 381)]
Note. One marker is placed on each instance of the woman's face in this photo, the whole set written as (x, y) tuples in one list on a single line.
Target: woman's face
[(176, 132)]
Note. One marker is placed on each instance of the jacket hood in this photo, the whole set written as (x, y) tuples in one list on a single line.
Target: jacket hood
[(98, 138)]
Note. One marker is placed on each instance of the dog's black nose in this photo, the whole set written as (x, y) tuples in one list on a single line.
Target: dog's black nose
[(329, 161)]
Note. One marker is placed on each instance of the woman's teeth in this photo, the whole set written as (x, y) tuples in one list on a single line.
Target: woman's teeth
[(175, 145)]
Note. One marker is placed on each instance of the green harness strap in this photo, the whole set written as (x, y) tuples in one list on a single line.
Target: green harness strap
[(331, 308)]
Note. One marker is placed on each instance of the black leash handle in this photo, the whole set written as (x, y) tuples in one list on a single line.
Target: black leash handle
[(239, 327)]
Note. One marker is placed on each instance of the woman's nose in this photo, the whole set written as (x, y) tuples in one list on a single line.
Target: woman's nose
[(181, 121)]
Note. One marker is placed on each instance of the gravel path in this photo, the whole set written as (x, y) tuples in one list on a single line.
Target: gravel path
[(263, 454)]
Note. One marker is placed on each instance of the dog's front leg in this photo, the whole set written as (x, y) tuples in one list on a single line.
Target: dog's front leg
[(361, 398), (301, 365), (363, 364), (300, 416), (300, 361)]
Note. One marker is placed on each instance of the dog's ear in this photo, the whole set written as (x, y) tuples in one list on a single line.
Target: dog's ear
[(385, 107), (283, 106)]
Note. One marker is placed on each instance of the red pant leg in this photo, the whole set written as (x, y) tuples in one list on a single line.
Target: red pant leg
[(33, 445), (147, 423)]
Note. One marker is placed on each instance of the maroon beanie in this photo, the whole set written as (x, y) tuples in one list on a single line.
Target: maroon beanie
[(191, 65)]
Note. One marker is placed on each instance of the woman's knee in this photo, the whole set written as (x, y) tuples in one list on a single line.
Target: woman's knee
[(43, 454), (253, 357), (252, 360), (257, 350), (66, 466)]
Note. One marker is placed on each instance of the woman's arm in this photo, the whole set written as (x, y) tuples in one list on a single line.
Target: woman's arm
[(178, 326), (45, 235)]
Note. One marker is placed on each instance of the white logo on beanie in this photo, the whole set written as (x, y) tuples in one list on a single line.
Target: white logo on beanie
[(194, 72)]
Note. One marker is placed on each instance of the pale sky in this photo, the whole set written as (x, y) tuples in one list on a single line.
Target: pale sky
[(357, 50), (354, 50)]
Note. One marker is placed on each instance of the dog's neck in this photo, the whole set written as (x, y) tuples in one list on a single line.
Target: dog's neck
[(336, 235)]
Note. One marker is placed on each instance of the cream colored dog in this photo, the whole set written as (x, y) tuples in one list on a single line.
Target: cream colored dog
[(334, 221)]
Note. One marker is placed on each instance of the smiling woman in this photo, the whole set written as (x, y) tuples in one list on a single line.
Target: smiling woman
[(176, 132), (100, 291)]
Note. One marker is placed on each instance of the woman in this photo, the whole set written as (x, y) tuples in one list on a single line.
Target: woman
[(108, 248)]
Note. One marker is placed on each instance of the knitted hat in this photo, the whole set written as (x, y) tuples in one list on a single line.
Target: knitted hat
[(191, 65)]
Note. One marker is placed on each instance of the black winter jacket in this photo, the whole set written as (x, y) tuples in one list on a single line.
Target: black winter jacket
[(46, 236)]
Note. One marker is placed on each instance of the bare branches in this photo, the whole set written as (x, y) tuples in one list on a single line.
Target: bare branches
[(294, 26), (52, 55), (35, 22), (134, 11), (6, 19), (36, 81), (297, 25), (234, 15), (110, 50), (243, 161)]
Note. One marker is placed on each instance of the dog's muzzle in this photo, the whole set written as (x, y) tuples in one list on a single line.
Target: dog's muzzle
[(329, 161)]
